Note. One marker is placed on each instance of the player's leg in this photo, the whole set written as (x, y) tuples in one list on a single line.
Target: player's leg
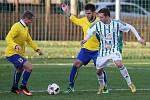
[(101, 61), (74, 71), (94, 57), (102, 84), (27, 72), (82, 59), (125, 74), (16, 78), (117, 58), (18, 61), (73, 75), (105, 90)]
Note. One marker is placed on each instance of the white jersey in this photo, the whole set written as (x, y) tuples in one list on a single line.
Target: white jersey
[(109, 34)]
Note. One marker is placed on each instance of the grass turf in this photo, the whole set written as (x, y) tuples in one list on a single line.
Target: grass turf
[(86, 83)]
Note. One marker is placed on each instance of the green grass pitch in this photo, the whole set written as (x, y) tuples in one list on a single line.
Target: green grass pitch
[(86, 85)]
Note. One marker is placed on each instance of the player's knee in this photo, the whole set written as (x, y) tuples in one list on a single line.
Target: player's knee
[(28, 67), (77, 63), (99, 71), (119, 64)]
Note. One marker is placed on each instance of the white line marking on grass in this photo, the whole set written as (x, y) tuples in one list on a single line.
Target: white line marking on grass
[(89, 65), (62, 64), (89, 90), (68, 64)]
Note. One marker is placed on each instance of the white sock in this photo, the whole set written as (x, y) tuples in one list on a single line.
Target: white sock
[(125, 74), (101, 79)]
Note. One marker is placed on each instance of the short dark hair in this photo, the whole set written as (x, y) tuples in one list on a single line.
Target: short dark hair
[(105, 11), (28, 14), (90, 7)]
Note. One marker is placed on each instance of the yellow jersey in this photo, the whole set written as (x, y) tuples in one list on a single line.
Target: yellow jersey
[(18, 35), (92, 43)]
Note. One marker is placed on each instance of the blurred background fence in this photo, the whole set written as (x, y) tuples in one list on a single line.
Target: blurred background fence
[(51, 25)]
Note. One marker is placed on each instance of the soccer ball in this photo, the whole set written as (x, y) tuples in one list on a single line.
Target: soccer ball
[(53, 89)]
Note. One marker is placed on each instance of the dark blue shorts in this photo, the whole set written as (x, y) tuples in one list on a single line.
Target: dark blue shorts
[(86, 55), (17, 60)]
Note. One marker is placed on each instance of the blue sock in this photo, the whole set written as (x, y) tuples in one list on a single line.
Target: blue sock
[(16, 79), (72, 76), (26, 76)]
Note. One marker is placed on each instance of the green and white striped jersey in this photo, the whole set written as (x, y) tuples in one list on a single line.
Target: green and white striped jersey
[(109, 35)]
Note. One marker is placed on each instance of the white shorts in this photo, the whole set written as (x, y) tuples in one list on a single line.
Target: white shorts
[(101, 61)]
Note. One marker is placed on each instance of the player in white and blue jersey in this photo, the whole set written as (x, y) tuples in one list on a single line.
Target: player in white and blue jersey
[(108, 31)]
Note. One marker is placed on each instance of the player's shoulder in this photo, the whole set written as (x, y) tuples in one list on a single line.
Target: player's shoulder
[(97, 21), (94, 23), (119, 21), (77, 16), (82, 18), (115, 20), (16, 24)]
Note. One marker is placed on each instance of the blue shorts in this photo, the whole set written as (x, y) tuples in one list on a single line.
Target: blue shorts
[(86, 55), (17, 60)]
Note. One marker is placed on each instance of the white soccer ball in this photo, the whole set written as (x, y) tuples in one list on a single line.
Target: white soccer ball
[(53, 89)]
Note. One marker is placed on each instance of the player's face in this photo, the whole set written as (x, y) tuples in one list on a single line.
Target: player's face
[(102, 17), (28, 21), (89, 14)]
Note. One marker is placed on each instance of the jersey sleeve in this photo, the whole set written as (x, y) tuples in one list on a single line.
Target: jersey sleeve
[(123, 26), (11, 35), (126, 27), (76, 20), (91, 31), (134, 31), (31, 43)]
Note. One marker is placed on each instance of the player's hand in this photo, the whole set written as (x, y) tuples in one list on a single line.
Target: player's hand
[(82, 42), (65, 8), (142, 41), (18, 48), (39, 51)]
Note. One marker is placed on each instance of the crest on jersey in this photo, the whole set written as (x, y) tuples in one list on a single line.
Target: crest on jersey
[(108, 37)]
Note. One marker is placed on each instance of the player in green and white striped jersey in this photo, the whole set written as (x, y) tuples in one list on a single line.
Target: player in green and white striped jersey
[(108, 32)]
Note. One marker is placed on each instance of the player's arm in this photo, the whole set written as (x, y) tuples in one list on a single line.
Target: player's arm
[(65, 9), (76, 20), (10, 38), (33, 45), (73, 18), (91, 31), (126, 27), (134, 31)]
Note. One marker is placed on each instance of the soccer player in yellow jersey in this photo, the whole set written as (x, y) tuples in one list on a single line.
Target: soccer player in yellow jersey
[(90, 48), (16, 39)]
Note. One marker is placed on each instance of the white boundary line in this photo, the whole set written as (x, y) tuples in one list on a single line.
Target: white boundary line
[(90, 90), (62, 64), (89, 65)]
